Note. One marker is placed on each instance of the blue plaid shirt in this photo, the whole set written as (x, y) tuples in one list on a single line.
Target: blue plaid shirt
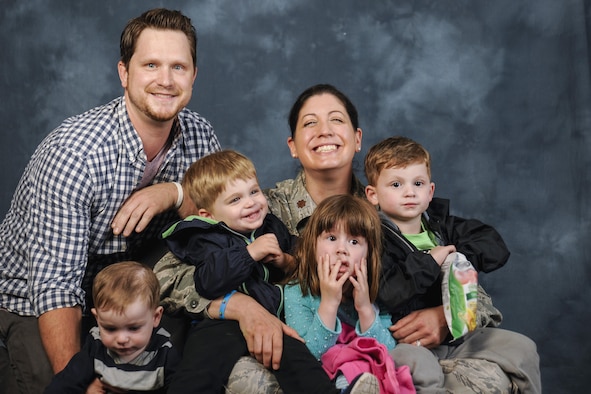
[(58, 228)]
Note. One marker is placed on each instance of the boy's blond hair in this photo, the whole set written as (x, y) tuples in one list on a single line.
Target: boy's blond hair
[(121, 284), (208, 177), (394, 152)]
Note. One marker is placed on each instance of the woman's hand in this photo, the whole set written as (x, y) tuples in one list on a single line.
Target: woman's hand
[(363, 304), (425, 327)]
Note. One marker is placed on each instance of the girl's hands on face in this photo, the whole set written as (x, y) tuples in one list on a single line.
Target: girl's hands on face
[(361, 286), (331, 287)]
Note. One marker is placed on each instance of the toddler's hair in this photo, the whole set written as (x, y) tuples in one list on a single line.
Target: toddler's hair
[(394, 152), (359, 218), (209, 176), (121, 284)]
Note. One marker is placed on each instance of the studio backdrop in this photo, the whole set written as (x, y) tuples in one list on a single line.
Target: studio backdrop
[(498, 91)]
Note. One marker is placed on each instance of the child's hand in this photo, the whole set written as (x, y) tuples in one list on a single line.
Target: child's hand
[(265, 248), (331, 290), (331, 287), (360, 286), (440, 253), (284, 261), (96, 387), (361, 299)]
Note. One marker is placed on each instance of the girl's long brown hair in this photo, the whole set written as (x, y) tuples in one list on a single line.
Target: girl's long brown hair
[(359, 218)]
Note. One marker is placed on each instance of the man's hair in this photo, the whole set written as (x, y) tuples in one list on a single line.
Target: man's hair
[(318, 90), (359, 218), (209, 176), (121, 284), (394, 152), (161, 19)]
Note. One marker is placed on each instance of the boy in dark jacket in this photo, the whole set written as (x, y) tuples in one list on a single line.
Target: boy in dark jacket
[(419, 234), (235, 244)]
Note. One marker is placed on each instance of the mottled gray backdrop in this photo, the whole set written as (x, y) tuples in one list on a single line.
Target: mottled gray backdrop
[(499, 91)]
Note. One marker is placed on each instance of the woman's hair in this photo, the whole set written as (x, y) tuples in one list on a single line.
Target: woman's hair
[(359, 218), (161, 19), (119, 285), (394, 152), (209, 176), (317, 90)]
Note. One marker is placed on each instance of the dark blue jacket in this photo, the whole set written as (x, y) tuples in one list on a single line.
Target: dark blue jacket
[(222, 262), (411, 278)]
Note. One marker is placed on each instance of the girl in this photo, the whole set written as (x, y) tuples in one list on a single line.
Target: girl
[(330, 298)]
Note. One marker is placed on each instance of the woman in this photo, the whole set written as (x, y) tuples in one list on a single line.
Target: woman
[(325, 136)]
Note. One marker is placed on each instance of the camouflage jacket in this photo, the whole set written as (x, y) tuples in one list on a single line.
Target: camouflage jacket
[(291, 202)]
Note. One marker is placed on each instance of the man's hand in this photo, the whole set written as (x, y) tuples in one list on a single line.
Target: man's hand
[(140, 208), (262, 330), (60, 333), (426, 327)]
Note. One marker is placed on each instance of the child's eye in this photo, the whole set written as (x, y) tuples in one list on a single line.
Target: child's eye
[(134, 328), (396, 184), (354, 242), (419, 183), (254, 192), (332, 238), (234, 200)]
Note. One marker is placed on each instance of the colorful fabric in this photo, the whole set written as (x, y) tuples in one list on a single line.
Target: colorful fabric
[(354, 355)]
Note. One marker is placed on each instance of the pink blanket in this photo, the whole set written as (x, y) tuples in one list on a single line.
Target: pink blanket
[(353, 355)]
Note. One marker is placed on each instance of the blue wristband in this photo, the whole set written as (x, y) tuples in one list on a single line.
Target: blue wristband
[(225, 303)]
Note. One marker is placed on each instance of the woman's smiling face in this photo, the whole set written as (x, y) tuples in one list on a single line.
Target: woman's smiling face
[(325, 138)]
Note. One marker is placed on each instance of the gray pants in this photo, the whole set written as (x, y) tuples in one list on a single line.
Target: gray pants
[(24, 366), (514, 353)]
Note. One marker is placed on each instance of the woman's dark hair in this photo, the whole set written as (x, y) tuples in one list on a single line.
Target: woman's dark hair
[(316, 90)]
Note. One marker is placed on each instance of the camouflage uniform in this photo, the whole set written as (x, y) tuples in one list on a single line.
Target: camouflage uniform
[(291, 203)]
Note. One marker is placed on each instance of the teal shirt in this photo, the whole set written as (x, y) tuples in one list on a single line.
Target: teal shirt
[(301, 313)]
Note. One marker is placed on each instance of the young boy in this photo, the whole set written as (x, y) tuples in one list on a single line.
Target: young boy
[(126, 351), (419, 234), (235, 244)]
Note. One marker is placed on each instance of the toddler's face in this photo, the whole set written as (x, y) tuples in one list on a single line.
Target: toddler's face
[(127, 334), (242, 206), (403, 194), (341, 246)]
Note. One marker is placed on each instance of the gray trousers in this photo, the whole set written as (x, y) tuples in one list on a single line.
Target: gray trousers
[(24, 366), (514, 353)]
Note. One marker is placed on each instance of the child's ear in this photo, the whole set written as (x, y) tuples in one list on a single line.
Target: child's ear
[(204, 213), (158, 315), (370, 193), (93, 310), (432, 192)]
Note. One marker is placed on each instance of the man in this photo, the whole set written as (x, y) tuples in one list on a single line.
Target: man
[(97, 190)]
